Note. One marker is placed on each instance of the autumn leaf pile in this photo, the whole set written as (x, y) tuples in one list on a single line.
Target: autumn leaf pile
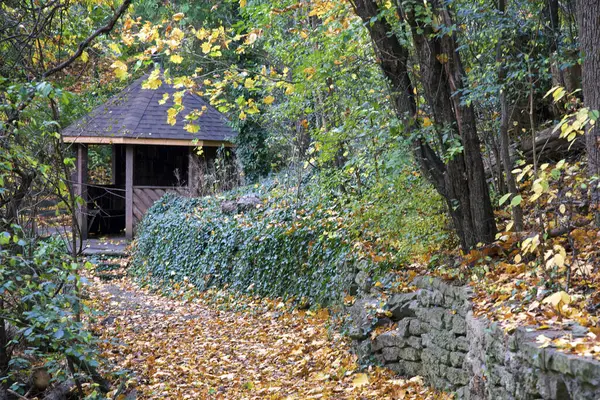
[(192, 346)]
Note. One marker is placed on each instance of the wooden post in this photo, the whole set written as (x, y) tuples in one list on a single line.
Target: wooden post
[(81, 181), (129, 191), (113, 159), (192, 184)]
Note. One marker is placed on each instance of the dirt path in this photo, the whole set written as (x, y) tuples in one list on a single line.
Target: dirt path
[(195, 349)]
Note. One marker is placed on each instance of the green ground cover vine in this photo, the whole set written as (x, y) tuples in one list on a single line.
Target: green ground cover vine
[(308, 248)]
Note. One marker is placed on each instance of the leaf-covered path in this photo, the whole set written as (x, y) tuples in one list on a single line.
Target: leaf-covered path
[(200, 349)]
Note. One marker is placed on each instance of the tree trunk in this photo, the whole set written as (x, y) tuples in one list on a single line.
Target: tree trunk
[(517, 211), (588, 15), (461, 180), (4, 354)]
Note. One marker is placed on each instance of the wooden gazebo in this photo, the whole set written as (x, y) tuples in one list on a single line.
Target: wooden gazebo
[(149, 156)]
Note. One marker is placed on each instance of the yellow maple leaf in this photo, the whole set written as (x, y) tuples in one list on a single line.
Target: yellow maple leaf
[(153, 81), (164, 99), (171, 114), (115, 47), (120, 69), (243, 3), (192, 128), (176, 58), (360, 380), (206, 46), (249, 83), (85, 56), (557, 298), (269, 100), (251, 38), (178, 16), (242, 116)]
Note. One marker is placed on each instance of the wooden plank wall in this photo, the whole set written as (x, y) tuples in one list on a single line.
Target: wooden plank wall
[(145, 196)]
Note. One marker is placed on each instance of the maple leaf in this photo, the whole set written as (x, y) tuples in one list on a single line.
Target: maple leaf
[(360, 380), (171, 114), (153, 81), (206, 46), (120, 69), (192, 128), (557, 298), (176, 58)]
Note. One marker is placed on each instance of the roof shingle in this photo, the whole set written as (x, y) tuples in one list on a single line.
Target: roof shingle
[(136, 113)]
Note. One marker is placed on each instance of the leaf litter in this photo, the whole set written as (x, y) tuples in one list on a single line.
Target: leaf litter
[(219, 346)]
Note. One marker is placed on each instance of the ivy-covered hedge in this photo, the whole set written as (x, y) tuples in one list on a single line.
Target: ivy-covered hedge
[(299, 244), (279, 249)]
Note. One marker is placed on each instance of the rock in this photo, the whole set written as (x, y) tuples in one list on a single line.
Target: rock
[(586, 369), (403, 306), (361, 322), (389, 339), (408, 353), (415, 342), (391, 354), (457, 376), (383, 321), (462, 344), (228, 207), (247, 203), (403, 327), (357, 333), (415, 327), (363, 281), (406, 368), (457, 359), (459, 325), (363, 350)]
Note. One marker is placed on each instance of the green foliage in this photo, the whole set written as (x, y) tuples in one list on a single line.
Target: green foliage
[(307, 247), (40, 306), (252, 151)]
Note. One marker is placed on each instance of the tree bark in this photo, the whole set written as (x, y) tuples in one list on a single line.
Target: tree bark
[(588, 16), (461, 180), (517, 211), (4, 339)]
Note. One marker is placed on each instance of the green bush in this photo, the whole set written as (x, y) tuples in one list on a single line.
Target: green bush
[(307, 248), (40, 310), (276, 250)]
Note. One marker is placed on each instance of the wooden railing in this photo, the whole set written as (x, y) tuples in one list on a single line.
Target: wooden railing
[(145, 196)]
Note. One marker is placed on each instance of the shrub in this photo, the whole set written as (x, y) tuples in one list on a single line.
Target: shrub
[(307, 248)]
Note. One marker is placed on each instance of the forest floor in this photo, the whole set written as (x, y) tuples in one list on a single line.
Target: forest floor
[(216, 346)]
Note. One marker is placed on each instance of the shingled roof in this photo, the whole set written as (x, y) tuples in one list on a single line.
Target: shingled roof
[(135, 113)]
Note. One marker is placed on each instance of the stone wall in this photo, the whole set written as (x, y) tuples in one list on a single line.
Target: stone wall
[(437, 336)]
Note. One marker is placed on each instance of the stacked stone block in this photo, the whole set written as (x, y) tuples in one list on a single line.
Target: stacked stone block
[(436, 336)]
